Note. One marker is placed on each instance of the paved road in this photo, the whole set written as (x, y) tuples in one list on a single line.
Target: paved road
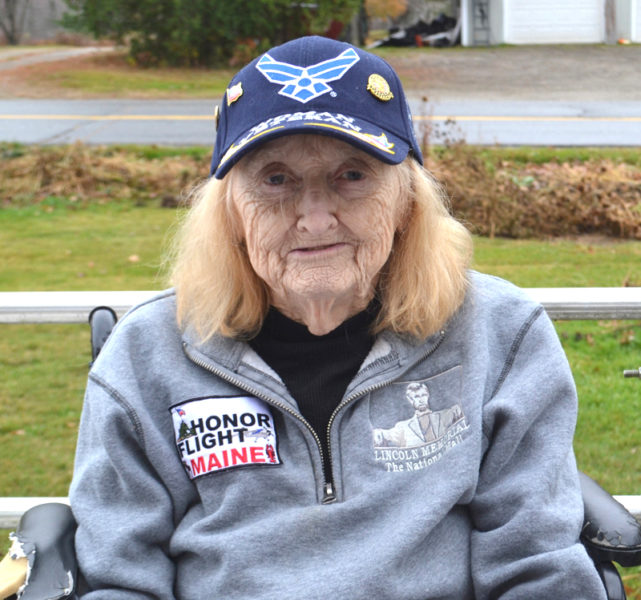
[(189, 122)]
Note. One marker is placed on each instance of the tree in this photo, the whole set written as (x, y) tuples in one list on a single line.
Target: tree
[(12, 17), (203, 32)]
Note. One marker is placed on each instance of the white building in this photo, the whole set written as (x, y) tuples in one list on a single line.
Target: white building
[(549, 21)]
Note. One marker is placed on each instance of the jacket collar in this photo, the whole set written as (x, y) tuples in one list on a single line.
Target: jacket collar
[(390, 356)]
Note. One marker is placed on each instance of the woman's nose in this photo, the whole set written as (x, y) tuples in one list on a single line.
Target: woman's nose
[(316, 211)]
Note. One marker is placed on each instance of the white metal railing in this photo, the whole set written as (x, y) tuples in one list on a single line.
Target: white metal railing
[(64, 307), (12, 508), (74, 307)]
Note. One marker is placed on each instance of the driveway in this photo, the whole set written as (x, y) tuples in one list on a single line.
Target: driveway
[(573, 73), (14, 57)]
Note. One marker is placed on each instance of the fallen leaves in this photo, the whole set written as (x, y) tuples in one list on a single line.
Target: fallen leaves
[(542, 200), (493, 197), (77, 175)]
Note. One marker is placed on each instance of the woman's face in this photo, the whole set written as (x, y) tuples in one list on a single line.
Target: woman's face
[(317, 216)]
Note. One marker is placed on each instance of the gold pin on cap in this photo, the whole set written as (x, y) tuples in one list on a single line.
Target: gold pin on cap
[(379, 88), (234, 92)]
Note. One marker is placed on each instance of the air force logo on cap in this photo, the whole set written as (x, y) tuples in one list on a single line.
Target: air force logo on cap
[(306, 83)]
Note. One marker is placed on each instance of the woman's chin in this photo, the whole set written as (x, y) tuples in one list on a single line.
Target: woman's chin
[(326, 290)]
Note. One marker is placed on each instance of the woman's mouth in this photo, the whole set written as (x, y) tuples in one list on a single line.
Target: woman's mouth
[(320, 250)]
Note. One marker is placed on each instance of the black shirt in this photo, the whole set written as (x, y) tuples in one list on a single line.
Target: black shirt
[(316, 368)]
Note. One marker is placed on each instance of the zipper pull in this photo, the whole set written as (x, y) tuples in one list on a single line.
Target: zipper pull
[(329, 493)]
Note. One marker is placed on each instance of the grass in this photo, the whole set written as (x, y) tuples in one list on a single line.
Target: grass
[(41, 396), (584, 262), (59, 244), (539, 155), (124, 80), (112, 75), (101, 248), (98, 248)]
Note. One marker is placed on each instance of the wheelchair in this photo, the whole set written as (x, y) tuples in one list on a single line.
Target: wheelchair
[(41, 564)]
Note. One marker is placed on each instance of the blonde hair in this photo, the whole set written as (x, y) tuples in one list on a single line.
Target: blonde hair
[(420, 287)]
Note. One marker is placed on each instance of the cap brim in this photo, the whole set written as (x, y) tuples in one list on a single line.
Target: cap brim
[(362, 134)]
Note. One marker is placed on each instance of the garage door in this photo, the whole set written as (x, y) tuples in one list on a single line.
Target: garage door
[(554, 21), (636, 20)]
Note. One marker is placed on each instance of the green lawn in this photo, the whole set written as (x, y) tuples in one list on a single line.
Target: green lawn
[(111, 74), (561, 263), (96, 248), (123, 80)]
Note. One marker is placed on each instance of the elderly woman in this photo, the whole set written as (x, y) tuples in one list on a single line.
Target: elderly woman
[(328, 403)]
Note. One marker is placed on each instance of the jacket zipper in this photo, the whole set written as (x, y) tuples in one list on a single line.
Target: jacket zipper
[(328, 488), (369, 390), (329, 493)]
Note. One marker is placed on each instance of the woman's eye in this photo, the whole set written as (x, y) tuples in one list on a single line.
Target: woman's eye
[(277, 179), (352, 175)]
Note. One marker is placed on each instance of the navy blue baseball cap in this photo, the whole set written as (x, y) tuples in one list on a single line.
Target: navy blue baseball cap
[(315, 85)]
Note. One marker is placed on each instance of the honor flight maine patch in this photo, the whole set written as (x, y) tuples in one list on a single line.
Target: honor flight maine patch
[(215, 434)]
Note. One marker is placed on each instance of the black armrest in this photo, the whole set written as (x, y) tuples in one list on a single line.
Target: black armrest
[(610, 532), (102, 320), (46, 536)]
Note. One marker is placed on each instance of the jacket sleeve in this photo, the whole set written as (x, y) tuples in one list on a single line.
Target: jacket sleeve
[(123, 510), (528, 510)]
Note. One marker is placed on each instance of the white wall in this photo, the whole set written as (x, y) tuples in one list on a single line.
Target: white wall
[(635, 20), (497, 17), (553, 21), (624, 18)]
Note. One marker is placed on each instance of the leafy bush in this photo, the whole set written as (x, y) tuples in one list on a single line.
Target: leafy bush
[(203, 32)]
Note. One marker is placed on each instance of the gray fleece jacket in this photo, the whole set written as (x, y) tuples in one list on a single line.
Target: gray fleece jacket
[(453, 473)]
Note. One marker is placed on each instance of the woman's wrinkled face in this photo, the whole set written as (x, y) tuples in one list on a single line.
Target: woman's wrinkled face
[(317, 216)]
